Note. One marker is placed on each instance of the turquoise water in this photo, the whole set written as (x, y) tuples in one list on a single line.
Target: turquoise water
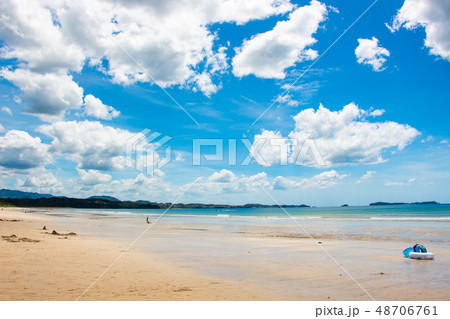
[(411, 223), (392, 212)]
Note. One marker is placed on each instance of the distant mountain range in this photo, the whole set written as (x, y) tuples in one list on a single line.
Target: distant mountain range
[(8, 193), (10, 197), (110, 198), (27, 199)]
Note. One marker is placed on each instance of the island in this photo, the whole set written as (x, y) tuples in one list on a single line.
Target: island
[(401, 203)]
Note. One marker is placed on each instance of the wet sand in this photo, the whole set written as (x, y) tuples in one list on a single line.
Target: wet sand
[(56, 268), (194, 262)]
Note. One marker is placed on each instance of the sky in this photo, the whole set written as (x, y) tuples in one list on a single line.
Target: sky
[(316, 102)]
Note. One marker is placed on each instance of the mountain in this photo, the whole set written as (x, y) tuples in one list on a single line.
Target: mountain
[(9, 193), (26, 199), (110, 198)]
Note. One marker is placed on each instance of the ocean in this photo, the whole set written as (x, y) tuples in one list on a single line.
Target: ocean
[(424, 223)]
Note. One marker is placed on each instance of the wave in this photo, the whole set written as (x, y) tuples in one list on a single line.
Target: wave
[(410, 218)]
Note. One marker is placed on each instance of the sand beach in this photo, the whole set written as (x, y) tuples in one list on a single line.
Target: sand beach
[(220, 260)]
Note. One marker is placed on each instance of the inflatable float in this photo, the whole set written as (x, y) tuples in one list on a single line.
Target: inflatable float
[(421, 256), (418, 252)]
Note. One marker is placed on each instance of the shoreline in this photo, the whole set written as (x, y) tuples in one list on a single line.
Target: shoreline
[(61, 269), (190, 263)]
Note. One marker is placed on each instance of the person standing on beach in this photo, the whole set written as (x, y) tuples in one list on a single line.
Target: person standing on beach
[(148, 222)]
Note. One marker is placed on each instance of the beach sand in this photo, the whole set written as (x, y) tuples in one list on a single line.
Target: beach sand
[(56, 268), (192, 264)]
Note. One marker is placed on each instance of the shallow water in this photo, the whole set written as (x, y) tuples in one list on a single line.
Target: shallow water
[(266, 247), (424, 223)]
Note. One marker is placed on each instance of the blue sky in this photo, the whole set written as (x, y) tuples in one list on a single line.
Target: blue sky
[(77, 82)]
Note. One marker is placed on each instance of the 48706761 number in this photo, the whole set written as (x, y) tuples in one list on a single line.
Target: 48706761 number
[(403, 310)]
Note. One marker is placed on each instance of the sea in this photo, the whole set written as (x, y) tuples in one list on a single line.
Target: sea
[(424, 223)]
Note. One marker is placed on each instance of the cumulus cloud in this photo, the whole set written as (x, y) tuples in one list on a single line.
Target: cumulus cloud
[(281, 182), (6, 110), (433, 16), (49, 95), (323, 180), (2, 129), (33, 35), (269, 54), (270, 148), (19, 150), (93, 177), (225, 181), (346, 137), (90, 144), (55, 37), (135, 188), (376, 113), (224, 176), (334, 137), (95, 108), (41, 178), (369, 52), (366, 176)]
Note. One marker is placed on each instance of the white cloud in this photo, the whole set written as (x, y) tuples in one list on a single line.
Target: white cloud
[(281, 182), (340, 138), (444, 141), (429, 138), (408, 182), (89, 143), (323, 180), (6, 110), (33, 36), (40, 179), (366, 176), (226, 182), (269, 54), (434, 16), (345, 137), (57, 37), (224, 176), (95, 108), (93, 177), (2, 129), (49, 95), (140, 187), (369, 52), (303, 91), (287, 99), (18, 150), (270, 148), (376, 113)]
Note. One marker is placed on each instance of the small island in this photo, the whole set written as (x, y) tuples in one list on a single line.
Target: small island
[(401, 203)]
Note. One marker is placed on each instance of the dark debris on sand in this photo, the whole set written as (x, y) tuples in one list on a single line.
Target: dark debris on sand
[(54, 232), (14, 239)]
